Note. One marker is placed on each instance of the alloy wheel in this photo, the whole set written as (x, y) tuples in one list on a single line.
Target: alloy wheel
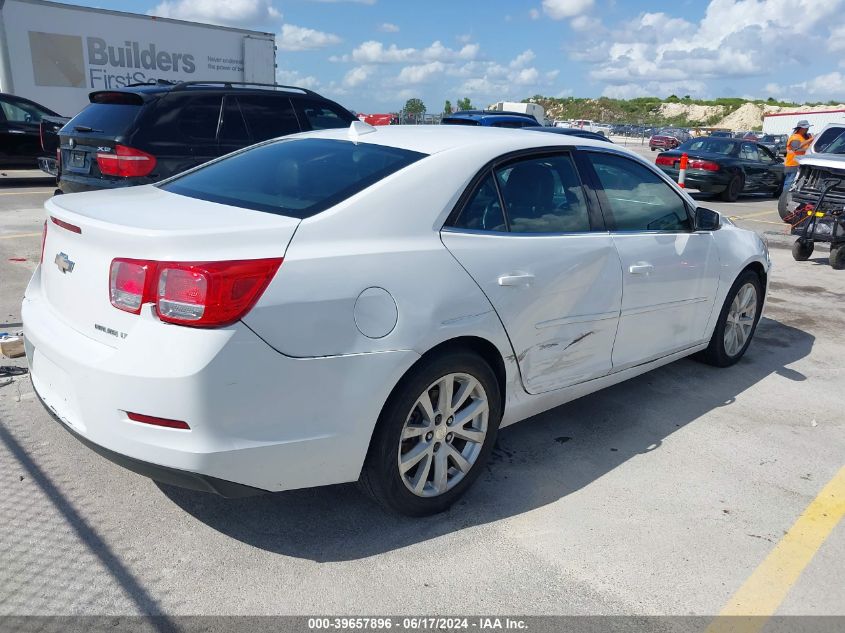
[(740, 319), (443, 434)]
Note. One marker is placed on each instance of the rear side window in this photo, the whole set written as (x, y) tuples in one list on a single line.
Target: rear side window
[(268, 116), (459, 122), (637, 198), (483, 212), (108, 119), (199, 118), (323, 116), (297, 178), (514, 123)]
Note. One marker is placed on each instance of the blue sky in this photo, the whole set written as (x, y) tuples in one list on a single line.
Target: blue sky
[(372, 55)]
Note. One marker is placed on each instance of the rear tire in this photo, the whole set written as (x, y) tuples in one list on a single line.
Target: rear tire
[(802, 250), (423, 458), (737, 321), (734, 188), (837, 257)]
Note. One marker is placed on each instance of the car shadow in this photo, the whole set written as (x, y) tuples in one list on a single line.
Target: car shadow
[(535, 463)]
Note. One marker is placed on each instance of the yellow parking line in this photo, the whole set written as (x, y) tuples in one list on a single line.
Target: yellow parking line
[(23, 193), (767, 587), (11, 237)]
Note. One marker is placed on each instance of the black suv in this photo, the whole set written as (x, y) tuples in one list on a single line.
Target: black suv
[(145, 133)]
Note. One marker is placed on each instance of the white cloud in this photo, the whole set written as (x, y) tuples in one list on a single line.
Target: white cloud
[(294, 78), (357, 76), (734, 39), (523, 58), (374, 52), (225, 12), (420, 73), (300, 38), (388, 27), (585, 23), (561, 9), (829, 86), (534, 14)]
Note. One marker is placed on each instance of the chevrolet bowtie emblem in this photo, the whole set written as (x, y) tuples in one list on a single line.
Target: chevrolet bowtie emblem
[(64, 263)]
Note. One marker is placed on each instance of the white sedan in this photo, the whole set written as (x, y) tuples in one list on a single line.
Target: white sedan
[(372, 305)]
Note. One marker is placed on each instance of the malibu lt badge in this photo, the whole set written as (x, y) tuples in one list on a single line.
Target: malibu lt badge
[(64, 263)]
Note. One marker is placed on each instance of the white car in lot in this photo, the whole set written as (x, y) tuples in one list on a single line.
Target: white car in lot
[(372, 305)]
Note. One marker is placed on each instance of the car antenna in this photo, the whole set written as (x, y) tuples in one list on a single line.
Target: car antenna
[(359, 128)]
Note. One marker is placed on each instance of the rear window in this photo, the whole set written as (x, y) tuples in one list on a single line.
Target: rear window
[(297, 178), (709, 145), (108, 119)]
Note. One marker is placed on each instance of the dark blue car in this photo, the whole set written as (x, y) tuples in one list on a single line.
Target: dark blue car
[(494, 118)]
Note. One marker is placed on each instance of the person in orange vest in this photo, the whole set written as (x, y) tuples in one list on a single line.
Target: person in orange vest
[(797, 145)]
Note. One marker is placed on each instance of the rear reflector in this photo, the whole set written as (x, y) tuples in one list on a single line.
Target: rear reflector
[(149, 419), (126, 162), (66, 225)]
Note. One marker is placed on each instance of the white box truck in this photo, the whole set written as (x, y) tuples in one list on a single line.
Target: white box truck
[(55, 54), (784, 122), (534, 109)]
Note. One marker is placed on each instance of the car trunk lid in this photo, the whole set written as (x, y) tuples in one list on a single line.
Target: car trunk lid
[(85, 232)]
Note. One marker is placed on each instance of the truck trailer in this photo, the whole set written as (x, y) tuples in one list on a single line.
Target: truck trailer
[(784, 122), (56, 54)]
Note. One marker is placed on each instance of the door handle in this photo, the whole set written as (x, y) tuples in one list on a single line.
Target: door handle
[(16, 132), (641, 268), (516, 280)]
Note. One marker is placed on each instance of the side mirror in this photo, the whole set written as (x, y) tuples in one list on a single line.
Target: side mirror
[(706, 219)]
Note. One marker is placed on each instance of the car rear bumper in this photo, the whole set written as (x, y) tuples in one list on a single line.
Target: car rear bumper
[(74, 183), (257, 418)]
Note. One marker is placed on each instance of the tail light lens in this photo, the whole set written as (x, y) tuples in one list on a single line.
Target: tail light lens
[(126, 162), (667, 161), (706, 165), (199, 294), (130, 284), (43, 241)]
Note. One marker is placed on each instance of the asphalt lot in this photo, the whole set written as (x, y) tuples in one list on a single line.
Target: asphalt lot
[(668, 494)]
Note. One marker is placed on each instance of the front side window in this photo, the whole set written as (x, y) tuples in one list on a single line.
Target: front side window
[(748, 151), (22, 112), (199, 117), (297, 178), (636, 197)]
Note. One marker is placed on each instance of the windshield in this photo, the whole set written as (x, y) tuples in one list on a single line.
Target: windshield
[(837, 146), (296, 177), (709, 145)]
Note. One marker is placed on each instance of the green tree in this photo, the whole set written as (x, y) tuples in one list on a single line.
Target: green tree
[(414, 107), (465, 104), (447, 109), (672, 99)]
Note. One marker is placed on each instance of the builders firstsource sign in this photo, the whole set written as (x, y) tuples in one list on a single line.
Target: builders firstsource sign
[(59, 53)]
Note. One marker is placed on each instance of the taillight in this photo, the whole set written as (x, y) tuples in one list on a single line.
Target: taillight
[(706, 165), (201, 294), (126, 162), (43, 241), (667, 161), (130, 284), (59, 158), (211, 294)]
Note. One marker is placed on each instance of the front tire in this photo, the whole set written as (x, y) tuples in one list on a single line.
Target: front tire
[(434, 435), (737, 321)]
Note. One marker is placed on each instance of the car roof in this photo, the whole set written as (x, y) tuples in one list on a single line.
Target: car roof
[(162, 87), (433, 139), (483, 114)]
